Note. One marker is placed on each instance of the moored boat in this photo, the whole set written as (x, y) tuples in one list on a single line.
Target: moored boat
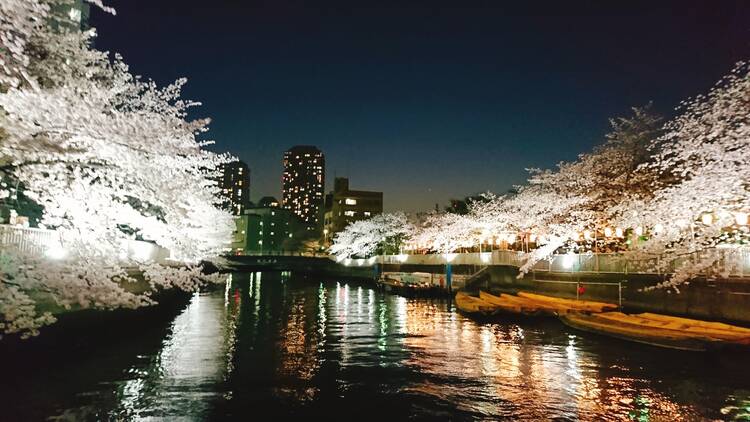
[(516, 305), (566, 305), (410, 289), (661, 330), (473, 305), (535, 304)]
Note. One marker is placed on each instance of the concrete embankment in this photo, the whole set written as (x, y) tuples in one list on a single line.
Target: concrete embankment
[(726, 299)]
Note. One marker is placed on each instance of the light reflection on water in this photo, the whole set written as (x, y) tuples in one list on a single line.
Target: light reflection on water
[(294, 345), (194, 358)]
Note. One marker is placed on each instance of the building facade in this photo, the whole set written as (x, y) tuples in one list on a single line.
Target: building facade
[(303, 184), (266, 229), (235, 187), (343, 206)]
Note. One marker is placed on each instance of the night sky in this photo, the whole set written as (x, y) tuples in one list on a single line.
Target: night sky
[(428, 100)]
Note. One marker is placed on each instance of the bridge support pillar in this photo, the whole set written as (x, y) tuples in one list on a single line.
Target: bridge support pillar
[(448, 276)]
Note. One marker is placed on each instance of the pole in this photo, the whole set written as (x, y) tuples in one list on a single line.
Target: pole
[(448, 277)]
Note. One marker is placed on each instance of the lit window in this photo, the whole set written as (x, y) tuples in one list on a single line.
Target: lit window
[(75, 15), (350, 201), (349, 213), (367, 213)]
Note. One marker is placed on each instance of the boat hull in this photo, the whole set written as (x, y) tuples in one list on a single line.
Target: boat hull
[(670, 339)]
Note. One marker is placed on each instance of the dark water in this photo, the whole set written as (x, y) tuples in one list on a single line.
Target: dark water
[(276, 347)]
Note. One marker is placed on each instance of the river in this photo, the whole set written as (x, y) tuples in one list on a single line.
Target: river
[(293, 345)]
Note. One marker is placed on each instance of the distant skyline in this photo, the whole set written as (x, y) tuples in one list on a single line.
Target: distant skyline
[(424, 100)]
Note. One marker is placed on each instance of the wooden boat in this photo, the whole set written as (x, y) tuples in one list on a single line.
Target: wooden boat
[(473, 305), (399, 287), (661, 330), (566, 305), (715, 330), (517, 305), (535, 304)]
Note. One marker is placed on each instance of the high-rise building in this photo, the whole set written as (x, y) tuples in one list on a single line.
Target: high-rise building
[(304, 183), (344, 206), (235, 187)]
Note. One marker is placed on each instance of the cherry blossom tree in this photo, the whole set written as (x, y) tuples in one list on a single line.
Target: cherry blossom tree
[(110, 157), (697, 214), (383, 232)]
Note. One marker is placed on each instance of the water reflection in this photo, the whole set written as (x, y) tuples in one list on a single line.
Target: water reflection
[(517, 370), (293, 345), (195, 357)]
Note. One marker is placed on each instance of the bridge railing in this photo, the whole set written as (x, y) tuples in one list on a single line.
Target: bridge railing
[(285, 253), (735, 262)]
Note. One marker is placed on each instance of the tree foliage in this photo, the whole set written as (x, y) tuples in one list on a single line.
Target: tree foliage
[(109, 156)]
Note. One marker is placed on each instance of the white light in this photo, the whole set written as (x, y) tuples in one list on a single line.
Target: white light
[(56, 252), (741, 218), (402, 257), (658, 228), (707, 219), (568, 261), (485, 256), (450, 256), (639, 231), (347, 261), (587, 234), (608, 231), (532, 238), (142, 251), (618, 232)]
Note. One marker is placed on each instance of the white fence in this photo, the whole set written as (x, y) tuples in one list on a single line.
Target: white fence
[(48, 242), (736, 261), (27, 240)]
